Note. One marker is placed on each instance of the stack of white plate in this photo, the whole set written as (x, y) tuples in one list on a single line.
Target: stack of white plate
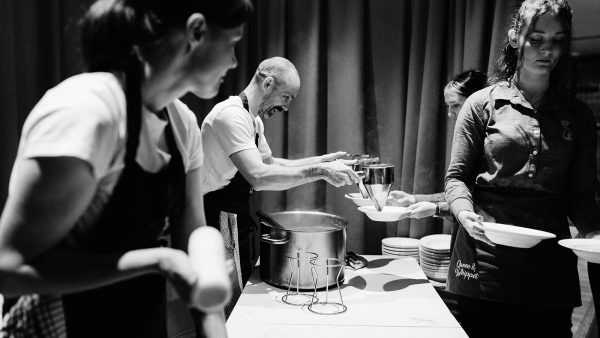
[(400, 246), (434, 256)]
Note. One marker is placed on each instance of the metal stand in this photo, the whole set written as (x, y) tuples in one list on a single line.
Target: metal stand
[(297, 260), (327, 307)]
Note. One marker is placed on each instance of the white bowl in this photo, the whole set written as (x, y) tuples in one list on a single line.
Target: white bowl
[(388, 214), (510, 235), (357, 198), (586, 249)]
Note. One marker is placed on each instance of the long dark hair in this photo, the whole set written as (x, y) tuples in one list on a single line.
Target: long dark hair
[(467, 82), (523, 21), (115, 32)]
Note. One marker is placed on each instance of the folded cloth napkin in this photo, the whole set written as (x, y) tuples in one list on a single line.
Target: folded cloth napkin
[(34, 316), (229, 230)]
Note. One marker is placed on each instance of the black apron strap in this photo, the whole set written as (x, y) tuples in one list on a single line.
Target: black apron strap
[(247, 107), (235, 198), (137, 215)]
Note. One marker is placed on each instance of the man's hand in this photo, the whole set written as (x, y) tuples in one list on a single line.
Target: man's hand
[(332, 156), (472, 223), (401, 199), (338, 174)]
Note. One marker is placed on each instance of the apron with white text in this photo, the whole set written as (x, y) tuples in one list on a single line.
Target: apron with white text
[(545, 274)]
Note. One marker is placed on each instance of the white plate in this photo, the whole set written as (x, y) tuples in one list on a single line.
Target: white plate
[(402, 256), (401, 242), (388, 214), (510, 235), (395, 255), (438, 242), (408, 248), (587, 249), (434, 252), (400, 252), (413, 253), (436, 255), (433, 263), (434, 268), (357, 198)]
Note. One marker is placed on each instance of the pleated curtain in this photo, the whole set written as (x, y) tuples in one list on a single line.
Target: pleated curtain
[(372, 74)]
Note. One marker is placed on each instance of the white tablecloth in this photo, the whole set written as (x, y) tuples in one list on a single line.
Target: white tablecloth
[(390, 298)]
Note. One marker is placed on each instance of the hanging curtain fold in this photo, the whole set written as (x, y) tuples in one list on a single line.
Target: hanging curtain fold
[(372, 75)]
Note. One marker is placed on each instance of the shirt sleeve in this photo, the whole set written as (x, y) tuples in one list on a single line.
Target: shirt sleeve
[(445, 212), (582, 183), (83, 126), (440, 199), (437, 197), (467, 150), (189, 133), (233, 128)]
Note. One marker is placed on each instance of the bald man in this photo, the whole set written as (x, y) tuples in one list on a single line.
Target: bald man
[(238, 159)]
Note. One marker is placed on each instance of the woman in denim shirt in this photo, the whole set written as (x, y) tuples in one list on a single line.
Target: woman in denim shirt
[(524, 153)]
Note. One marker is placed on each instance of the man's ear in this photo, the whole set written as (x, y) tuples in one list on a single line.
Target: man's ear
[(268, 84), (513, 38), (196, 29)]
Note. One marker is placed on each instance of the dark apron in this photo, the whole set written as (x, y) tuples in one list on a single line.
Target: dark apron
[(137, 216), (544, 275), (235, 198)]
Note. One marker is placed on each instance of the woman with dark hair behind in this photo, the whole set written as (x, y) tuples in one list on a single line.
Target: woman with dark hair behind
[(524, 153), (456, 91), (460, 87), (108, 169)]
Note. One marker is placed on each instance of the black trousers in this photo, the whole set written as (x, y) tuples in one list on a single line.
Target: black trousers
[(490, 319)]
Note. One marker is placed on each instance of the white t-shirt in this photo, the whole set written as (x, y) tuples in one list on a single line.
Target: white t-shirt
[(85, 117), (226, 130)]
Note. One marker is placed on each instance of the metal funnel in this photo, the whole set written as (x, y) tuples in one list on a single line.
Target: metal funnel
[(361, 161), (378, 182)]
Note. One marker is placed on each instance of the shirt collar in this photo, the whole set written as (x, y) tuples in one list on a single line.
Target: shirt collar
[(508, 91), (242, 105)]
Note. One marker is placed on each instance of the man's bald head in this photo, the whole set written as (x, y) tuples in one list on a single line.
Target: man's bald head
[(277, 82), (280, 69)]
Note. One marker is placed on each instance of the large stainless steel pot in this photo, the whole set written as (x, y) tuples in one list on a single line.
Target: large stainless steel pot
[(318, 232)]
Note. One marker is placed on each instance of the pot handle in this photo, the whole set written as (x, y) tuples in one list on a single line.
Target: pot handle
[(267, 238), (268, 220)]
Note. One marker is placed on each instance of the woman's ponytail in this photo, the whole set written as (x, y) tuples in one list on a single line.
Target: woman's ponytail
[(133, 93), (113, 32)]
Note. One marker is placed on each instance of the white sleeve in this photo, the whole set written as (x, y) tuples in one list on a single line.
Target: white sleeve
[(82, 126), (234, 130), (188, 132)]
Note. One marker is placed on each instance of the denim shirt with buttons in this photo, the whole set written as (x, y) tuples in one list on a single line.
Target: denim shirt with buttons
[(501, 140)]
